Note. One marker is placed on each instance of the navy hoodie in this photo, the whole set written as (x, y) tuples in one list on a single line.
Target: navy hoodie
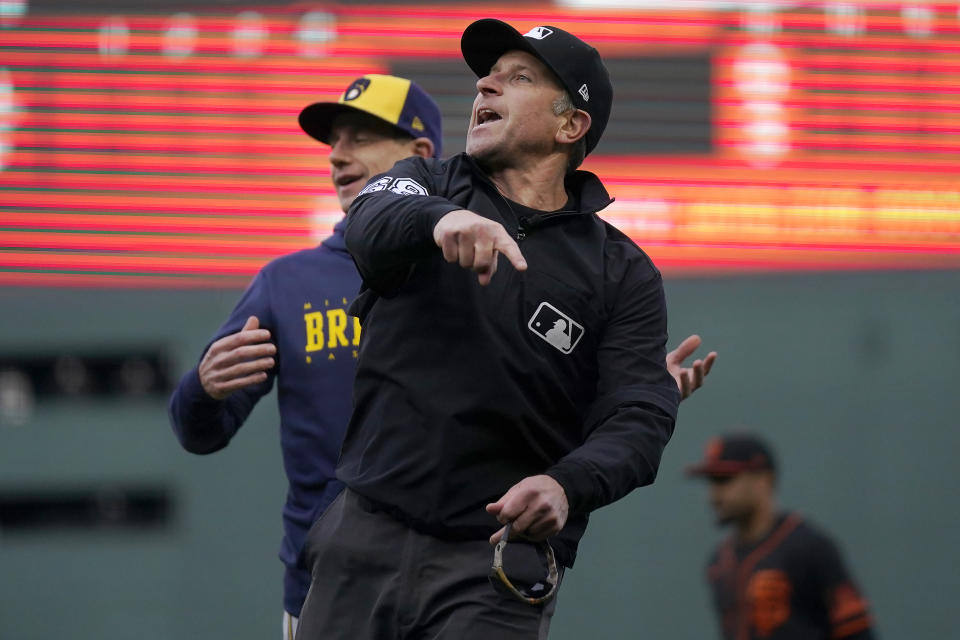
[(302, 299)]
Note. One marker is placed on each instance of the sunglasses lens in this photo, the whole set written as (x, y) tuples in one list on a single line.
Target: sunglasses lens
[(526, 568)]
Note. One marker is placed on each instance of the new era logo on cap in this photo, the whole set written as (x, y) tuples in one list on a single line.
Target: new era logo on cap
[(583, 91), (538, 33)]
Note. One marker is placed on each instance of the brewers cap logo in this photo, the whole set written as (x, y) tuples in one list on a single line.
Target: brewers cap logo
[(538, 33), (356, 89)]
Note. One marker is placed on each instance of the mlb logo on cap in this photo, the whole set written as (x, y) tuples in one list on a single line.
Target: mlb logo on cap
[(538, 33)]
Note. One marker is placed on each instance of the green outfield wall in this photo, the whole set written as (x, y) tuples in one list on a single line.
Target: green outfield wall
[(852, 377)]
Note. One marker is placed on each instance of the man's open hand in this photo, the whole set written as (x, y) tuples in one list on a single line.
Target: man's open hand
[(238, 360), (689, 379)]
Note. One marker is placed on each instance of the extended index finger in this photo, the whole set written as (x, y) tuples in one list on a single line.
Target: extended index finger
[(509, 248), (686, 348)]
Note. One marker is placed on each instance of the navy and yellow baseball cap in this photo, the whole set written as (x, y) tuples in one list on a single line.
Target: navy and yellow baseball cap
[(732, 454), (394, 100)]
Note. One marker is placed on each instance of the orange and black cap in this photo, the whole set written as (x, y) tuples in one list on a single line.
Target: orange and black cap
[(732, 454)]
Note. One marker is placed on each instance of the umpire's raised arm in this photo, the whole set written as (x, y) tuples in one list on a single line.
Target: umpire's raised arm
[(390, 224)]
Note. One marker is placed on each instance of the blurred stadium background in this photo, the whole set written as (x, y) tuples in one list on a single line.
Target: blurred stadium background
[(793, 168)]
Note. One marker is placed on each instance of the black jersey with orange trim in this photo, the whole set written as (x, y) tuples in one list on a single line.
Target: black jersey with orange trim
[(792, 585)]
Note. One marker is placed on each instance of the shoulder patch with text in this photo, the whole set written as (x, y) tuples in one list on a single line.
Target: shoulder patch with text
[(400, 186)]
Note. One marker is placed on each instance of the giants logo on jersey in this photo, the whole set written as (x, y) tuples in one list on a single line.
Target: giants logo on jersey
[(768, 596)]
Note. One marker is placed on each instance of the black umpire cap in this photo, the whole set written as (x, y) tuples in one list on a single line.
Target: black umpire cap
[(575, 63)]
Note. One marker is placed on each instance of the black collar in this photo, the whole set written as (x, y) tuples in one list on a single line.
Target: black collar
[(585, 190)]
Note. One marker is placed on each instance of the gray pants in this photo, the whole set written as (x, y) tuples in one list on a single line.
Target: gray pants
[(374, 578)]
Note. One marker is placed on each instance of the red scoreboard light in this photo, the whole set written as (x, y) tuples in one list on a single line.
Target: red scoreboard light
[(163, 150)]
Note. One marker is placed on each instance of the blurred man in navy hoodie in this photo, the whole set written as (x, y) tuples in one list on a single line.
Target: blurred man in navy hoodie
[(292, 325)]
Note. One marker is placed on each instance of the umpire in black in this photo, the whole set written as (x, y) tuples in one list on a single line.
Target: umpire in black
[(511, 368)]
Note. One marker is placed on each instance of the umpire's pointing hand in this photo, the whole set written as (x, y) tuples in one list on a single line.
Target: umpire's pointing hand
[(475, 242), (536, 505), (237, 360)]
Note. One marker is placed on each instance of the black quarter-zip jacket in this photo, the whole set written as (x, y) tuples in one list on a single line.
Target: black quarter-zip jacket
[(462, 391)]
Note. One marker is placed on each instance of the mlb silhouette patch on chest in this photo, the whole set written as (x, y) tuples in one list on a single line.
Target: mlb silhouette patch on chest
[(557, 328)]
